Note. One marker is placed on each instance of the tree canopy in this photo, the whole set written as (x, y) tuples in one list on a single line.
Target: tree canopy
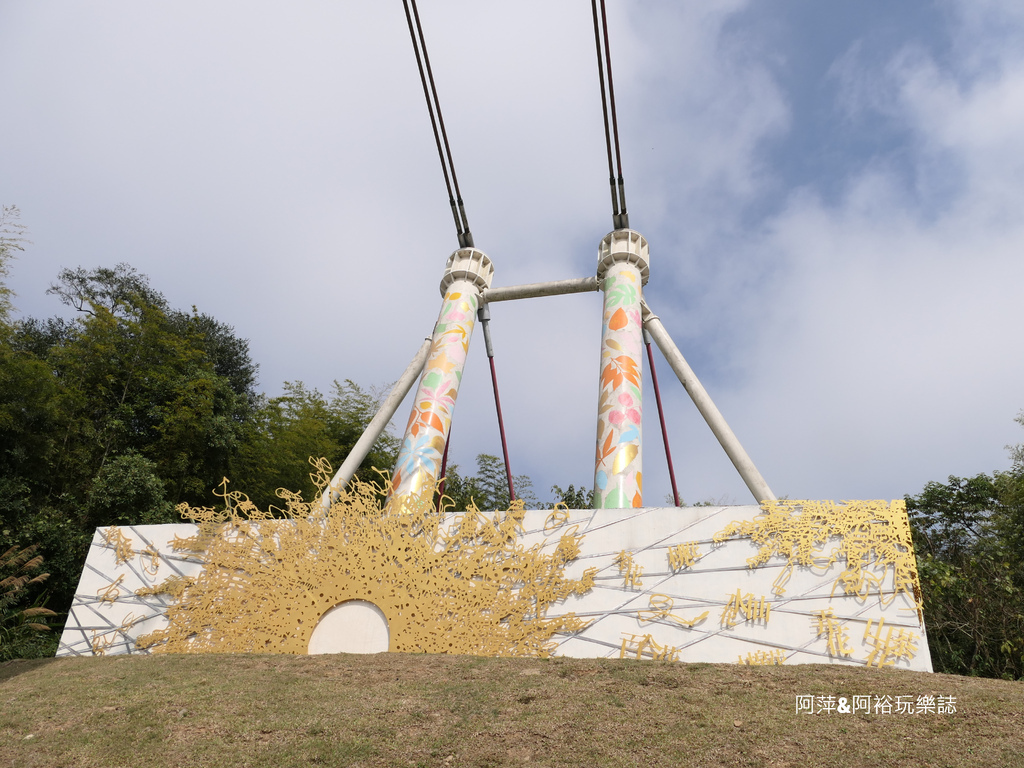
[(969, 541)]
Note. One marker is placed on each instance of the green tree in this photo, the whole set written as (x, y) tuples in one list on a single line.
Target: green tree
[(969, 540), (574, 498), (488, 489), (115, 416), (287, 431), (12, 238)]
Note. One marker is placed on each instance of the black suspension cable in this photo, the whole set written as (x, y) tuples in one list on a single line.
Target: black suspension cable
[(615, 121), (604, 112), (419, 45), (620, 218)]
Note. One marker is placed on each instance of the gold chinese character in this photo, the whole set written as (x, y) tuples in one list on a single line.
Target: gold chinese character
[(683, 555), (121, 545), (885, 653), (834, 631), (764, 658), (752, 608), (629, 570), (644, 646)]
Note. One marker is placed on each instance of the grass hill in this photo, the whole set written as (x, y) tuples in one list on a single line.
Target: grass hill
[(445, 711)]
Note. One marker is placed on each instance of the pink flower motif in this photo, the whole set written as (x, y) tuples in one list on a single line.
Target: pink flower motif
[(625, 399), (616, 417), (455, 315), (633, 416)]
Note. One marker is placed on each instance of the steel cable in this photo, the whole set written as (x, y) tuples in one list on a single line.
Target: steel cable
[(444, 152)]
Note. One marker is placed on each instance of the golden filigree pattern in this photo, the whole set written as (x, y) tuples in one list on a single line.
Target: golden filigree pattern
[(865, 535), (464, 587)]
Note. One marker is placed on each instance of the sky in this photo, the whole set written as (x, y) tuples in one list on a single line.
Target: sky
[(832, 194)]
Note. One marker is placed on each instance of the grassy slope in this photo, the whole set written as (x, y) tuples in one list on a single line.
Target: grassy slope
[(395, 709)]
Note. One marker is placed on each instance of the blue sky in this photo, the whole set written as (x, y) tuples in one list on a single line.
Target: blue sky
[(831, 192)]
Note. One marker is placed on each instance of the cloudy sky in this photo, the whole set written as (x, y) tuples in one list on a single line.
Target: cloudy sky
[(832, 193)]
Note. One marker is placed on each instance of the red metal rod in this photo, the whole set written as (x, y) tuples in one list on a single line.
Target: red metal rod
[(501, 429), (661, 417)]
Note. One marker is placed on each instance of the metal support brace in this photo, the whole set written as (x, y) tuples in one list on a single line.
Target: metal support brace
[(707, 408), (534, 290), (377, 425)]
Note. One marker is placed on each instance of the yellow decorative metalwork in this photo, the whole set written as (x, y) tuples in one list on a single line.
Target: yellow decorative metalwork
[(833, 630), (174, 586), (121, 544), (467, 587), (753, 609), (150, 560), (559, 516), (111, 592), (885, 653), (645, 647), (683, 555), (629, 570), (661, 608), (774, 657), (867, 534), (100, 643)]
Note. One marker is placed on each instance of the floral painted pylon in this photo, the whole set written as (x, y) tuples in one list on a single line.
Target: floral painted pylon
[(466, 276), (622, 270)]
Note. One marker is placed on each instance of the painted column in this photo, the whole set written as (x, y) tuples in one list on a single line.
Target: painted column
[(467, 274), (622, 271)]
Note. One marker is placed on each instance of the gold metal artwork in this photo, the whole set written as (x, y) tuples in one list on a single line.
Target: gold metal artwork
[(100, 643), (683, 555), (885, 653), (661, 607), (629, 570), (645, 647), (173, 586), (834, 631), (753, 609), (462, 585), (111, 592), (121, 544), (150, 560), (865, 534), (774, 657), (559, 516)]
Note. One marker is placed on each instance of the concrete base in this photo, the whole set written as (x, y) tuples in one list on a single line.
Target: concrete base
[(670, 583)]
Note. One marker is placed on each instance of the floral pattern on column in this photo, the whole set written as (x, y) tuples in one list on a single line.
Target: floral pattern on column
[(419, 458), (618, 475)]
